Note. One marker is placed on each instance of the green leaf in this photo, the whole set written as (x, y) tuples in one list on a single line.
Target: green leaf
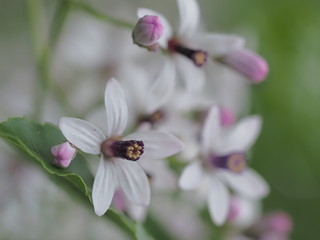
[(34, 141)]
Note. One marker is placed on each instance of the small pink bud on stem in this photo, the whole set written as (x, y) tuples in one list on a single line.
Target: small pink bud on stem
[(248, 63), (63, 154), (148, 31)]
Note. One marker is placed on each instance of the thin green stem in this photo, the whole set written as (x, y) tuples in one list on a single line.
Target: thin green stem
[(34, 10), (63, 8), (101, 16), (33, 14), (61, 14), (43, 47)]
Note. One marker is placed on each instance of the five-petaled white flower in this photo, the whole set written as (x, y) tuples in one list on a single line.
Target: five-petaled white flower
[(118, 166), (222, 161)]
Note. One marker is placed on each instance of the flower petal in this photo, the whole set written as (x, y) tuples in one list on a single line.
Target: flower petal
[(162, 88), (82, 134), (191, 176), (242, 136), (116, 108), (248, 184), (193, 77), (210, 136), (157, 144), (133, 181), (137, 212), (103, 186), (189, 16), (167, 30), (217, 44), (218, 201)]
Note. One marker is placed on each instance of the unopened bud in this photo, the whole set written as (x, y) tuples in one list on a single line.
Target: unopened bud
[(227, 117), (278, 222), (248, 63), (147, 31), (63, 154)]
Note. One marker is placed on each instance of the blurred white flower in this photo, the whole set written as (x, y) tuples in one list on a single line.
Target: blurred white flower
[(222, 161), (118, 154), (180, 45)]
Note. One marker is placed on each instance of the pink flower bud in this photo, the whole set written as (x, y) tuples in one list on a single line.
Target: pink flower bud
[(63, 154), (147, 31), (247, 63), (227, 117), (278, 222)]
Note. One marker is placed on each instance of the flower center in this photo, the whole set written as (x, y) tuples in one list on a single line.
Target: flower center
[(199, 57), (130, 150), (235, 162)]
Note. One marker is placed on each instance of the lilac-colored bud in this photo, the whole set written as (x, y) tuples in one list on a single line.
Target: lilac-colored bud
[(147, 31), (63, 154), (278, 222), (227, 117), (248, 63)]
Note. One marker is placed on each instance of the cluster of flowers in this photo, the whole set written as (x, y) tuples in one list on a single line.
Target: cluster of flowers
[(211, 140)]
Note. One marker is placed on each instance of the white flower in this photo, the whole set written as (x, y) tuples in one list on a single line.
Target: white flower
[(188, 44), (117, 167), (222, 162), (151, 111)]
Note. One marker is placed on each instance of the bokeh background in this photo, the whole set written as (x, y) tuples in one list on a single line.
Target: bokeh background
[(285, 32)]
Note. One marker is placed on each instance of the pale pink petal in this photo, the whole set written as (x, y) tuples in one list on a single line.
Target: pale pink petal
[(104, 186), (133, 181), (242, 136), (116, 108), (193, 77), (245, 211), (191, 176), (248, 184), (162, 88), (167, 30), (157, 144), (218, 201), (189, 16), (211, 131), (217, 44), (82, 134)]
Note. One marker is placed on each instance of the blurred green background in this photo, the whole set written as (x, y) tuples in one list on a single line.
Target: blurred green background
[(287, 34), (287, 153)]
